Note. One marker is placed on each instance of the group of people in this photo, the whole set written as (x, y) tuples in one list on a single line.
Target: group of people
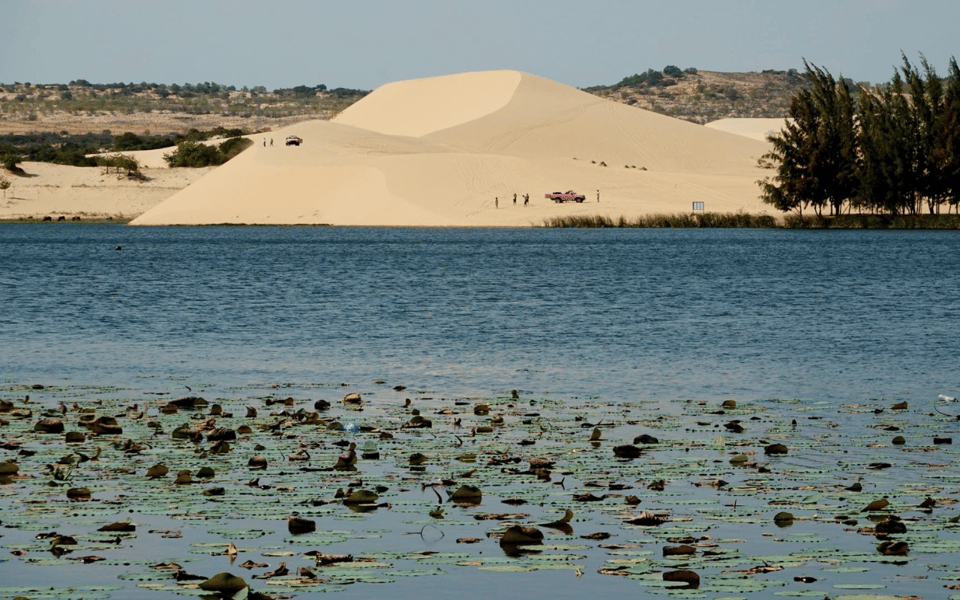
[(526, 200)]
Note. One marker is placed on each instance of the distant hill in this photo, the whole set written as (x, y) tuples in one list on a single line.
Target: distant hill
[(82, 107), (148, 108), (704, 96)]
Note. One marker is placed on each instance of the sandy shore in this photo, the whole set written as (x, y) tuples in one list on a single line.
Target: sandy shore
[(89, 192), (443, 151)]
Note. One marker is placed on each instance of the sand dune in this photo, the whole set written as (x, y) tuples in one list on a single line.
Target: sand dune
[(421, 106), (438, 151), (757, 129)]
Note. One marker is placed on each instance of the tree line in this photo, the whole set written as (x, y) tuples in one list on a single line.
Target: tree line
[(187, 90), (81, 150), (889, 149)]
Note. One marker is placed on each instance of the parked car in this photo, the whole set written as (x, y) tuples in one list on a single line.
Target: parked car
[(293, 140), (568, 196)]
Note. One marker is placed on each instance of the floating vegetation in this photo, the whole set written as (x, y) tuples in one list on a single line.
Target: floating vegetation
[(263, 493)]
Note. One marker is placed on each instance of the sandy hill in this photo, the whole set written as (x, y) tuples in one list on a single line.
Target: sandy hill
[(438, 151), (757, 129)]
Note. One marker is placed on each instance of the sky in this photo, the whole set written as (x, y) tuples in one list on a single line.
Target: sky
[(363, 44)]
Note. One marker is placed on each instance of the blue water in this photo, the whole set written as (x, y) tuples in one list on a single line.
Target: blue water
[(622, 314)]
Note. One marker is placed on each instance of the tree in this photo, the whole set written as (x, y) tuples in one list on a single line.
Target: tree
[(787, 189), (815, 155), (925, 107), (122, 162), (946, 153), (942, 139), (888, 146)]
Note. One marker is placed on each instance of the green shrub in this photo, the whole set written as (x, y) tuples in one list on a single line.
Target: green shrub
[(233, 147), (193, 154), (127, 141), (673, 71), (11, 162)]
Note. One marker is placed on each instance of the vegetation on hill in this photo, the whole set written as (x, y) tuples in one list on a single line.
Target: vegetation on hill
[(190, 153), (704, 96), (81, 97), (893, 149), (81, 150)]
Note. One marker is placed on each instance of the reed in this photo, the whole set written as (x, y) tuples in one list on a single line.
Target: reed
[(663, 221)]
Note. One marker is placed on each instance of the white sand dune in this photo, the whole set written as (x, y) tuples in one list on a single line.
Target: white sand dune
[(757, 129), (438, 151)]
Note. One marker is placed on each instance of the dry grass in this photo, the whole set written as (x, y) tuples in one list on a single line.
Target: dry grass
[(698, 220)]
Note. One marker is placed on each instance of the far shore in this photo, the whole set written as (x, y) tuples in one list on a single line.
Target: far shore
[(450, 151), (662, 221)]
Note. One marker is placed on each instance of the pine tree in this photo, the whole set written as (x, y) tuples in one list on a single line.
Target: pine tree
[(945, 150), (888, 146), (815, 155)]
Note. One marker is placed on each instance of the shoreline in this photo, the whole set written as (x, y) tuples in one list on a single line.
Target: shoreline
[(655, 221)]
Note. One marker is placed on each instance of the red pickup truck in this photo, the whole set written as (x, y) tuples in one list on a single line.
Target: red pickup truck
[(568, 196)]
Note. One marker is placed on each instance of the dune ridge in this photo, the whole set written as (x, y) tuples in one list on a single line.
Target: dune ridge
[(453, 150)]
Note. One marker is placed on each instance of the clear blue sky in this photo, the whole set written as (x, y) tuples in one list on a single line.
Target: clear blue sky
[(366, 43)]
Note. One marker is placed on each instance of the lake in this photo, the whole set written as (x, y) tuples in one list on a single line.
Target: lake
[(650, 314)]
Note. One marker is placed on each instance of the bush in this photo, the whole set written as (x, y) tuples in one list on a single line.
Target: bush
[(128, 141), (732, 94), (233, 147), (11, 162), (193, 154), (673, 71)]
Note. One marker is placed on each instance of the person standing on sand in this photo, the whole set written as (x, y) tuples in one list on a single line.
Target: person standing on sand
[(264, 142), (526, 199), (496, 202), (271, 141), (514, 198), (598, 196)]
